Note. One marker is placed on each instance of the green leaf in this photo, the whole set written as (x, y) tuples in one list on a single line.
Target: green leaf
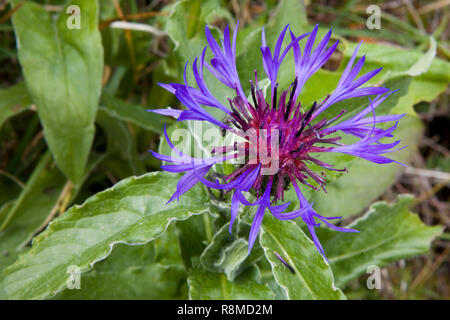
[(63, 71), (249, 56), (205, 285), (13, 100), (133, 211), (150, 271), (121, 144), (313, 278), (44, 192), (228, 252), (290, 12), (26, 213), (387, 233), (133, 113)]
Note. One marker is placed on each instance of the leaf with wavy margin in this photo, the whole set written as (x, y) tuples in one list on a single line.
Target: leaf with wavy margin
[(134, 211), (63, 71)]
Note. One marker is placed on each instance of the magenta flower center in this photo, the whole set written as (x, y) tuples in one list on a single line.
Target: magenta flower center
[(280, 138)]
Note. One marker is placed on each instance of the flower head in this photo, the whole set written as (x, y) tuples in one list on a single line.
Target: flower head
[(280, 138)]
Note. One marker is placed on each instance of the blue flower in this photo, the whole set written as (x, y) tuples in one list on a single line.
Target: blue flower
[(297, 134)]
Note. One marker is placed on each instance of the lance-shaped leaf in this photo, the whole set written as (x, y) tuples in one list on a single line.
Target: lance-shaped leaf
[(62, 65), (311, 276), (150, 271), (387, 233), (133, 211), (354, 191), (28, 211), (287, 11), (205, 285), (228, 252)]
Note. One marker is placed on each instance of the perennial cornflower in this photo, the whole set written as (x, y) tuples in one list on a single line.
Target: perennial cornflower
[(294, 136)]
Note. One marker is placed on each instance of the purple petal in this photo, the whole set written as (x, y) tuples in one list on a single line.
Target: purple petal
[(167, 112)]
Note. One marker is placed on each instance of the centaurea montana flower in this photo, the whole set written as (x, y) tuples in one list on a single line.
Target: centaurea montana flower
[(298, 135)]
